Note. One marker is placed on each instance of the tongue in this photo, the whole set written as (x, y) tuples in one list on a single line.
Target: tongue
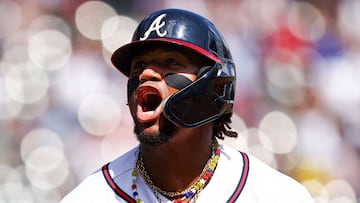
[(146, 116)]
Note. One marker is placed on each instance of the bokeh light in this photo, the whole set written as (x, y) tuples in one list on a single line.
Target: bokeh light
[(42, 151), (278, 133), (38, 138), (349, 19), (9, 108), (286, 81), (258, 150), (305, 21), (14, 187), (344, 77), (340, 191), (46, 167), (117, 31), (50, 22), (49, 49), (26, 83), (99, 114), (16, 47), (34, 110), (10, 17), (90, 17)]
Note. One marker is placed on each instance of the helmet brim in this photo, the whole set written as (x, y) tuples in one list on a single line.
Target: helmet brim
[(121, 58)]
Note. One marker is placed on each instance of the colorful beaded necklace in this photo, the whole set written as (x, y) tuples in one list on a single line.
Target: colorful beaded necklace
[(189, 193)]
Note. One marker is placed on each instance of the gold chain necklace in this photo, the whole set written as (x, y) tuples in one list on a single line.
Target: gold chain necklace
[(141, 168), (192, 191)]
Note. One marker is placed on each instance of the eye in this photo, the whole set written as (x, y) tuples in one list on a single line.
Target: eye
[(138, 67), (171, 62)]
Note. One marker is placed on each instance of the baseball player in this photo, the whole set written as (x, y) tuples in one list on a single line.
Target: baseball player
[(181, 91)]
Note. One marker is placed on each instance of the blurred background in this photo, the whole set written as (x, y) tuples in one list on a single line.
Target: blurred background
[(63, 111)]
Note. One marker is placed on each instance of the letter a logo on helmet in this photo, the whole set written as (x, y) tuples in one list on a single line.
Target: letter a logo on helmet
[(155, 26)]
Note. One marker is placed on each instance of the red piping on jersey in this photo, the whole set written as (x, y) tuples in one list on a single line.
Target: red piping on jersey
[(233, 198), (113, 185), (243, 178)]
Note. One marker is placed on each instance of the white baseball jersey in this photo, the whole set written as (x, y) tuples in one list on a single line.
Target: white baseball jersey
[(238, 178)]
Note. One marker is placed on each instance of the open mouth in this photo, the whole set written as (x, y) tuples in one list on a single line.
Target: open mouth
[(148, 98)]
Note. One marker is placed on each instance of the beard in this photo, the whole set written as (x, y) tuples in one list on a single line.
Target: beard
[(166, 132)]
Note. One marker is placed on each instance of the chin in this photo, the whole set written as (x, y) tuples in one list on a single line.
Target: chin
[(156, 134), (152, 131)]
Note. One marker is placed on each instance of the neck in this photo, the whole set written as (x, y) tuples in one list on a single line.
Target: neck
[(177, 164)]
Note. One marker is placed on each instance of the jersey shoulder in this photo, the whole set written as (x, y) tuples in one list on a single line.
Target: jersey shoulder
[(265, 183), (95, 188)]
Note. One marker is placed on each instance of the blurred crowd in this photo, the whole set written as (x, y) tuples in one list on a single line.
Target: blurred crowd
[(63, 108)]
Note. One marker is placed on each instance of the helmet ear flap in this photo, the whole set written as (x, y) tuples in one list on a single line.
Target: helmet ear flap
[(197, 103)]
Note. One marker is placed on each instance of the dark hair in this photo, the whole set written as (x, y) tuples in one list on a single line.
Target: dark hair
[(222, 127)]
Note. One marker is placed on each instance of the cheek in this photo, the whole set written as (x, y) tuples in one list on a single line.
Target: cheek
[(171, 90), (132, 84), (132, 104), (192, 77)]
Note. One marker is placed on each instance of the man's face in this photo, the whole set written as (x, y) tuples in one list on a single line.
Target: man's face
[(151, 66)]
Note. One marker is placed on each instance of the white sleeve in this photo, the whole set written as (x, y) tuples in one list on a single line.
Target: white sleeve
[(93, 189)]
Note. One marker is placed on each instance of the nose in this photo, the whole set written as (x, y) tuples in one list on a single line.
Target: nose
[(150, 74)]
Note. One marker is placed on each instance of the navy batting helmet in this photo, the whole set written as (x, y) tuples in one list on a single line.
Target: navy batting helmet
[(212, 93)]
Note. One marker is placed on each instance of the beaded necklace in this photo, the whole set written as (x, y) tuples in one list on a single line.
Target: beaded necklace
[(191, 192)]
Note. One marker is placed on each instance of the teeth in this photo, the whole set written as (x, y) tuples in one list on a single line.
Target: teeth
[(147, 113)]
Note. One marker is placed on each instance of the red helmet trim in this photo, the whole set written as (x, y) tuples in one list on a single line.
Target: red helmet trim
[(191, 46), (119, 59)]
